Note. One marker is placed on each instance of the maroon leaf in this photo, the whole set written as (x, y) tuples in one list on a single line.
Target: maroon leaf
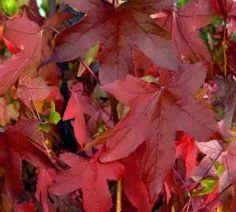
[(184, 25), (159, 110), (137, 192), (90, 176), (119, 30), (45, 179), (17, 145)]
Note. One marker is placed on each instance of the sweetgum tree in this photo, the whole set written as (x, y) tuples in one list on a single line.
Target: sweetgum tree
[(110, 105)]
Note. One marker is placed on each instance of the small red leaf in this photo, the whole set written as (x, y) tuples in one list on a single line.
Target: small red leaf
[(187, 150), (91, 177), (77, 107)]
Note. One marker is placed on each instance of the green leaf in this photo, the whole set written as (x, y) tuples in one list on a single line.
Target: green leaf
[(45, 6), (219, 167), (45, 127), (206, 36), (181, 3), (10, 7), (233, 37), (208, 185), (89, 57), (54, 116), (50, 119), (101, 129)]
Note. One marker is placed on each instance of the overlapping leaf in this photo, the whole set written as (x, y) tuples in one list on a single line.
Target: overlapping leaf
[(184, 25), (27, 36), (119, 30), (187, 150), (8, 111), (126, 39), (219, 161), (16, 144), (91, 177), (77, 107), (134, 173), (159, 110), (45, 179), (33, 89)]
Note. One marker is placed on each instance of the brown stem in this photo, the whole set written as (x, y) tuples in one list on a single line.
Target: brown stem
[(224, 45), (115, 118), (119, 196)]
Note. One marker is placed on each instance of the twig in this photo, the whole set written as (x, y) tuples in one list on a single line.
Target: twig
[(224, 45), (119, 196)]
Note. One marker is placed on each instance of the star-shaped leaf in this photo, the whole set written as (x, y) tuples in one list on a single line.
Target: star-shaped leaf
[(159, 111), (119, 30), (184, 25), (91, 177)]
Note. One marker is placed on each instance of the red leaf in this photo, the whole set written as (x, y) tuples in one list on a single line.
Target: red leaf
[(119, 30), (10, 46), (135, 172), (184, 25), (225, 156), (25, 207), (33, 89), (90, 176), (187, 150), (221, 7), (45, 179), (156, 115), (7, 43), (172, 102), (15, 145), (232, 23), (143, 66), (27, 36), (77, 107), (233, 203)]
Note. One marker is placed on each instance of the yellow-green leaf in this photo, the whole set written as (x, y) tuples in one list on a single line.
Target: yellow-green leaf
[(89, 57), (208, 185)]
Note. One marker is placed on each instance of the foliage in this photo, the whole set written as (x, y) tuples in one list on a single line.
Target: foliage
[(118, 105)]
